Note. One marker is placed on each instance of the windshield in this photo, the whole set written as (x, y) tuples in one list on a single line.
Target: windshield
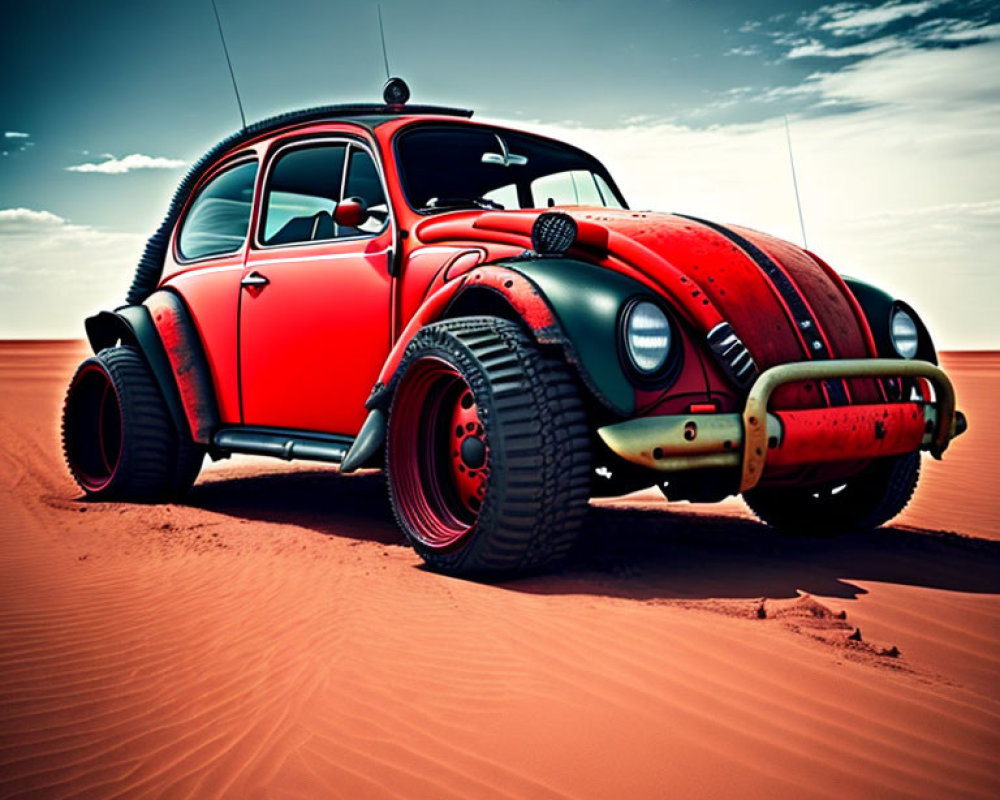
[(449, 166)]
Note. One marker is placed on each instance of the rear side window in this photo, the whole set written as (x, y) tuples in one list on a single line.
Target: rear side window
[(219, 217)]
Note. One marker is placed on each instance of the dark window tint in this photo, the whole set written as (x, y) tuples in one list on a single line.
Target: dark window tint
[(302, 194), (364, 183), (220, 215)]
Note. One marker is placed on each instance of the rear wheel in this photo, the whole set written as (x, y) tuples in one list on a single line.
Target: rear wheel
[(118, 438), (487, 450), (867, 500)]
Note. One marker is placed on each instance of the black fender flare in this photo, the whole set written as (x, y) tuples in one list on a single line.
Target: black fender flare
[(878, 306), (586, 302), (133, 325), (179, 366)]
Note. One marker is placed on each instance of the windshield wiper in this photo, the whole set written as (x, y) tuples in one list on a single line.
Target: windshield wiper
[(442, 203)]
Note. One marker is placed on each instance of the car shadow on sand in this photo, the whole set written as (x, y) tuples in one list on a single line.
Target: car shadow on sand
[(644, 553)]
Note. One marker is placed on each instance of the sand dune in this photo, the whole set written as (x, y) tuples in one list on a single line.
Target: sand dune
[(273, 638)]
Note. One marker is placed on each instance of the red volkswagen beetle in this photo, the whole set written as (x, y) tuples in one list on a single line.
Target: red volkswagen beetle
[(477, 311)]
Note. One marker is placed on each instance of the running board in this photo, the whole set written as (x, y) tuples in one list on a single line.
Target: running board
[(283, 444)]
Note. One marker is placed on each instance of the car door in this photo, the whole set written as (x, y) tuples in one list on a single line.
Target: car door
[(315, 295)]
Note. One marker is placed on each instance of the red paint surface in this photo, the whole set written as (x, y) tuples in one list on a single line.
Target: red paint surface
[(211, 294), (181, 350), (313, 340), (518, 291), (848, 433), (830, 303)]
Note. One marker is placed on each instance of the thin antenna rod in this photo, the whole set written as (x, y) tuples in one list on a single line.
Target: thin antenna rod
[(232, 74), (795, 183), (381, 32)]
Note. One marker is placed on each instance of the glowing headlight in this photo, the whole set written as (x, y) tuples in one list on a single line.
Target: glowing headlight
[(903, 332), (647, 337)]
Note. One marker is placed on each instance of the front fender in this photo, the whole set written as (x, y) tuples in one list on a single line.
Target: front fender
[(877, 306), (585, 302), (564, 302)]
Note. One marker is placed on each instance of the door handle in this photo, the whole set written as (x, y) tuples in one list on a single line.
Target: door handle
[(254, 281)]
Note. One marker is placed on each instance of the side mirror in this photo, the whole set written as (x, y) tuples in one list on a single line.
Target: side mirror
[(351, 212)]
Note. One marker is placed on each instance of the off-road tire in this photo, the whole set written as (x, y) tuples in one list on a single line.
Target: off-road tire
[(867, 500), (143, 457), (537, 472)]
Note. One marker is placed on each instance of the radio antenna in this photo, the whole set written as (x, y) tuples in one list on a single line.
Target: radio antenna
[(795, 182), (232, 74), (381, 32)]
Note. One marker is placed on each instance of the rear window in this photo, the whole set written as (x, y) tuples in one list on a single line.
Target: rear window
[(219, 217)]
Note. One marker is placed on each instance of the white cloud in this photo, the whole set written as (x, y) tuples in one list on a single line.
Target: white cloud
[(965, 31), (921, 80), (54, 273), (119, 166), (16, 135), (865, 23), (874, 47), (19, 220), (902, 193), (851, 18)]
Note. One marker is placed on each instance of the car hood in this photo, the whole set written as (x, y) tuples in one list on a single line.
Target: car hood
[(784, 303)]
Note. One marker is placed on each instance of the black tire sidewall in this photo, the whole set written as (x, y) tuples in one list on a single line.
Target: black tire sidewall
[(871, 498), (156, 461), (480, 552)]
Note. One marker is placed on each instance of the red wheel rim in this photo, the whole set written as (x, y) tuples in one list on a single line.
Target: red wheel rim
[(94, 430), (438, 456)]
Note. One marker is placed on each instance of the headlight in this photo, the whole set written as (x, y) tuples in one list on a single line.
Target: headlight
[(903, 332), (647, 337)]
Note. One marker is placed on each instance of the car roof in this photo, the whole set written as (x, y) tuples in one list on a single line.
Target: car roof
[(369, 115)]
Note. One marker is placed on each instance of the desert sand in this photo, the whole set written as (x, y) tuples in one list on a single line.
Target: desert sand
[(272, 637)]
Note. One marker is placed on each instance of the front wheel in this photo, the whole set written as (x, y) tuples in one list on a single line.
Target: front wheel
[(867, 500), (488, 455), (118, 438)]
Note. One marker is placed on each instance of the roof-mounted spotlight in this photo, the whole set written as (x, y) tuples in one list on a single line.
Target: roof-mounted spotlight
[(395, 92), (553, 233)]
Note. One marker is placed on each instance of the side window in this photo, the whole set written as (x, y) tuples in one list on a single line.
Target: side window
[(218, 219), (302, 194), (577, 187), (363, 182)]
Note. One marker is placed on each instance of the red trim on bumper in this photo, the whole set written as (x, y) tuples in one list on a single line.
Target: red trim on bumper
[(848, 433)]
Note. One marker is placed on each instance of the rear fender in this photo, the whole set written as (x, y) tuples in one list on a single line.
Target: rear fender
[(164, 333), (133, 325), (190, 371)]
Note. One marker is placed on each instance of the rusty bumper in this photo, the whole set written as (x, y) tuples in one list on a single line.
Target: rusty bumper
[(752, 440)]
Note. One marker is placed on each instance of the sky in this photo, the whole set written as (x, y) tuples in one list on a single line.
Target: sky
[(893, 110)]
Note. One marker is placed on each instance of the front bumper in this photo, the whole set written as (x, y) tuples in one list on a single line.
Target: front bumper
[(752, 440)]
